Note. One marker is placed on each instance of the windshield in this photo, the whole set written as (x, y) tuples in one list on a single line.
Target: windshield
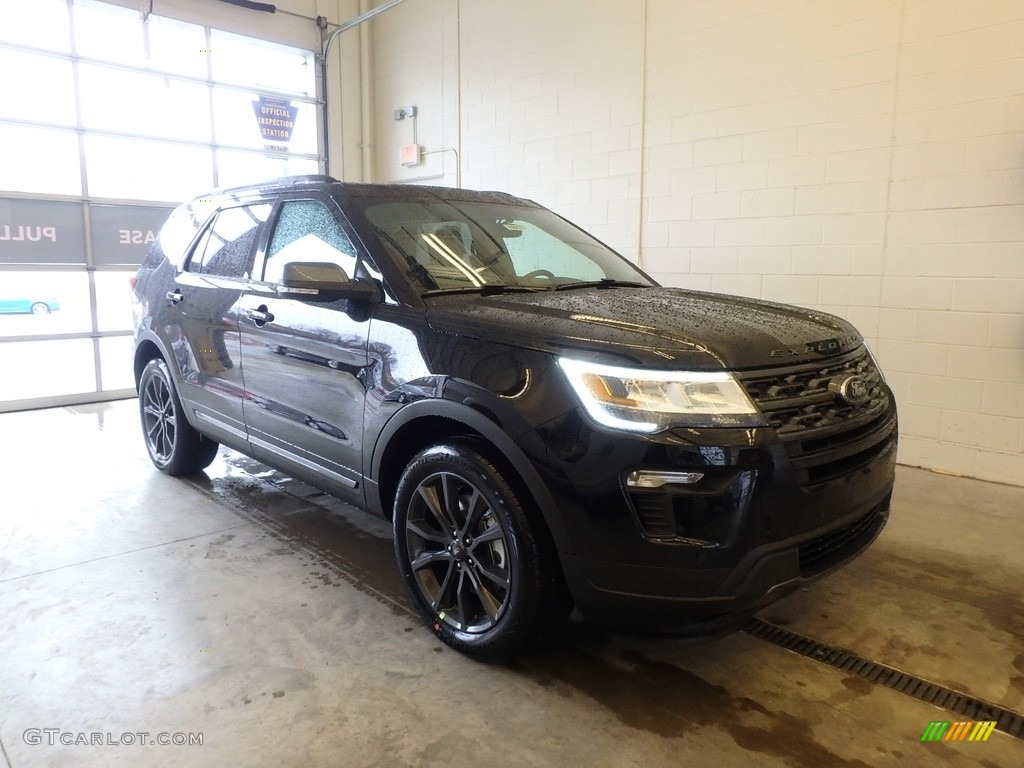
[(452, 245)]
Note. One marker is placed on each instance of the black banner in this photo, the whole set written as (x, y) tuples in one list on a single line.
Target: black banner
[(41, 232), (53, 232), (122, 234)]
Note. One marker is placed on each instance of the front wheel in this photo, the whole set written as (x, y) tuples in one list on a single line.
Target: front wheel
[(481, 571), (39, 308), (174, 446)]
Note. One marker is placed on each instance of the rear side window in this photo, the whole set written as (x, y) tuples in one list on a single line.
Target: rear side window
[(226, 248), (179, 229), (306, 230)]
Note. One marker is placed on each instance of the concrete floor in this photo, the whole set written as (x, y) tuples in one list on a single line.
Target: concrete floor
[(270, 619)]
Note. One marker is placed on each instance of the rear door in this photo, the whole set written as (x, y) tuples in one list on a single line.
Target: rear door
[(305, 364), (205, 344)]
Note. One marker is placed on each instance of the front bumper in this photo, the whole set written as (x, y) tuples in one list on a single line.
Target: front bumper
[(691, 557), (694, 600)]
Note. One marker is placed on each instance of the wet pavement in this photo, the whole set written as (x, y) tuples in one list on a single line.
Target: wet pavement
[(268, 619)]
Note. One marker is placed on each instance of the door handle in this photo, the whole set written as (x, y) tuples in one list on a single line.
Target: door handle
[(261, 315), (174, 296)]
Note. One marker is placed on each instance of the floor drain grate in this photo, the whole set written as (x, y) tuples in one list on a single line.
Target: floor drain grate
[(955, 701)]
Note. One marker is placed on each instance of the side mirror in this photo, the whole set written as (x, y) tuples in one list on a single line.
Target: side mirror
[(323, 281)]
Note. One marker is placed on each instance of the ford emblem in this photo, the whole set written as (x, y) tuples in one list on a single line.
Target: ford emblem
[(852, 390)]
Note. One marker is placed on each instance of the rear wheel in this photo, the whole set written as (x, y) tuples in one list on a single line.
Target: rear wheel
[(481, 571), (174, 446)]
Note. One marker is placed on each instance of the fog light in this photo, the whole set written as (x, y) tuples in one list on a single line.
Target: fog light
[(651, 479)]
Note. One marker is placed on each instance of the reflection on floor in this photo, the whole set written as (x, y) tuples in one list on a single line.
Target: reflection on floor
[(267, 619)]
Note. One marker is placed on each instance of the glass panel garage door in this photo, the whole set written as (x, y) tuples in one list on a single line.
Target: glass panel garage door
[(111, 121)]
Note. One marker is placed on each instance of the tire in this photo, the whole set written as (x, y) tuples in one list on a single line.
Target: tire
[(39, 308), (481, 571), (174, 446)]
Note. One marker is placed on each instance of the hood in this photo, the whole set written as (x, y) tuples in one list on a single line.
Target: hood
[(664, 328)]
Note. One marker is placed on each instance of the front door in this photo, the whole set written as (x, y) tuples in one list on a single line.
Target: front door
[(304, 364)]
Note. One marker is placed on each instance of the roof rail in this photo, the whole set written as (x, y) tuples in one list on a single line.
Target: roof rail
[(312, 178), (280, 181)]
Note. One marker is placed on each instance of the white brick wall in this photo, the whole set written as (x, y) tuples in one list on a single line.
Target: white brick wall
[(864, 158)]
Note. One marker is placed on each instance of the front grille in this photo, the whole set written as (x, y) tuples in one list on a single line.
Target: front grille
[(820, 554), (797, 401), (826, 437)]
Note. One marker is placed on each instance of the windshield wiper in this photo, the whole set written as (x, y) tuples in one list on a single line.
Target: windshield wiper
[(490, 289), (604, 282)]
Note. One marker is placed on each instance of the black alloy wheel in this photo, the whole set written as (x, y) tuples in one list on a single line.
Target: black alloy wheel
[(174, 446), (481, 570), (461, 563)]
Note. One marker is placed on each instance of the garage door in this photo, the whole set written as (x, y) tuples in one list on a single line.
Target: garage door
[(115, 117)]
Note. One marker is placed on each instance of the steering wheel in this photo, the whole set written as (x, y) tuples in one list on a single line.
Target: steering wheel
[(539, 273)]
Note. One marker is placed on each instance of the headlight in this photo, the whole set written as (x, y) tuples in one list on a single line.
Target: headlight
[(649, 401)]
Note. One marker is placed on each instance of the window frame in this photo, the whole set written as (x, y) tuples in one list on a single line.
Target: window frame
[(256, 247), (364, 264), (279, 209)]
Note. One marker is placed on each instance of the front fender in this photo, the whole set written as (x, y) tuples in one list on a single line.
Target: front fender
[(480, 421)]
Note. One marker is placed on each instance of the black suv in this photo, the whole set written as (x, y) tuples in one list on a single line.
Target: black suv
[(545, 425)]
